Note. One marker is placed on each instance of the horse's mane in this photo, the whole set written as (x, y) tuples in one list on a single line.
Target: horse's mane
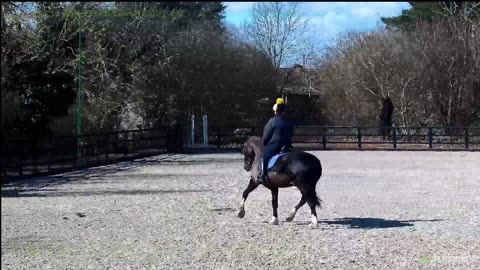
[(256, 143), (255, 140)]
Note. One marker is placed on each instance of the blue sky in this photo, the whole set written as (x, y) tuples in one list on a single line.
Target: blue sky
[(329, 19)]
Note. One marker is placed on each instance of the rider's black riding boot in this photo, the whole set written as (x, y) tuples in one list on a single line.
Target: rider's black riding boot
[(262, 177)]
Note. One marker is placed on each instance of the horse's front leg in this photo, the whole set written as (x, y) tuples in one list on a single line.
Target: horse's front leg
[(274, 220), (251, 187)]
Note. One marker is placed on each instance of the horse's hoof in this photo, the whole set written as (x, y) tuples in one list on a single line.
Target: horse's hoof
[(241, 213), (290, 217), (274, 221), (314, 224)]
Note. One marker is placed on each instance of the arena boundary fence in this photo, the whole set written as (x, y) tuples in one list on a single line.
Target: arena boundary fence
[(40, 156)]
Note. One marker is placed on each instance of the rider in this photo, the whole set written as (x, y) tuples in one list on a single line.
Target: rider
[(278, 132)]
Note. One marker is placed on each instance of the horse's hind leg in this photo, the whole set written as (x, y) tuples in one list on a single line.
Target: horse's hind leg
[(294, 211), (313, 201), (251, 187), (313, 211), (274, 220)]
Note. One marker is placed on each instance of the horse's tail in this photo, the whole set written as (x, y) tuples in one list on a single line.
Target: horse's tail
[(310, 195), (313, 197)]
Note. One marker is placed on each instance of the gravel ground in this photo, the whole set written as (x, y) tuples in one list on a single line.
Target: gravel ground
[(382, 210)]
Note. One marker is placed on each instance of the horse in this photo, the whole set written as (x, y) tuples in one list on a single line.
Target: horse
[(293, 168), (386, 119), (385, 131)]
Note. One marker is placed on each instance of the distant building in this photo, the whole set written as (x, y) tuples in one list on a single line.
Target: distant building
[(296, 86)]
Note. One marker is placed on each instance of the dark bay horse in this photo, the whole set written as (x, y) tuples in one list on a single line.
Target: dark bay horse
[(386, 118), (295, 168)]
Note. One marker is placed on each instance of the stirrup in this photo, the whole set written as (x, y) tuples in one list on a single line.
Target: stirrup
[(264, 179), (261, 179)]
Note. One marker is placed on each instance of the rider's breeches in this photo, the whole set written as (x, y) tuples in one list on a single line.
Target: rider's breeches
[(270, 151)]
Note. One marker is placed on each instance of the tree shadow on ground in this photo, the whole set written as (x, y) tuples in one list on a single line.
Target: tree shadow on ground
[(59, 193), (369, 223), (38, 182)]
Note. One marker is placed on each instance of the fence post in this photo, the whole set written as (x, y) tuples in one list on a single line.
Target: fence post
[(324, 140), (169, 140), (134, 142), (466, 138), (192, 131), (126, 143), (107, 145), (430, 138), (20, 170), (77, 150), (359, 136), (35, 156), (95, 149), (179, 129), (116, 145), (3, 169), (219, 136), (394, 137), (205, 131), (49, 154)]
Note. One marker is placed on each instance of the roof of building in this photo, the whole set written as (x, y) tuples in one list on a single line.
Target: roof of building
[(291, 81)]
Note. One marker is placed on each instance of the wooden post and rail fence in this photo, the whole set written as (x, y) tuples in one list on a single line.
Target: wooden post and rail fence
[(360, 138), (29, 156)]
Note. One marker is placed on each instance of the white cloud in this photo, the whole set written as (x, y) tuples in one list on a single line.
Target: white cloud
[(233, 7), (354, 8), (364, 12), (323, 6), (328, 20)]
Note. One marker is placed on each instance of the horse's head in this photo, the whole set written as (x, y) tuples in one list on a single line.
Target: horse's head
[(248, 156)]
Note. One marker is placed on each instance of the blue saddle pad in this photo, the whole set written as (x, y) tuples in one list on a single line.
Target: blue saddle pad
[(274, 159)]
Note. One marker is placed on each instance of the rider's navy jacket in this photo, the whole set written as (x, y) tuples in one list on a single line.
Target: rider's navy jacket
[(278, 130)]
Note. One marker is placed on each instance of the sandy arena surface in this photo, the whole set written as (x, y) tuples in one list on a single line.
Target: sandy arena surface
[(382, 210)]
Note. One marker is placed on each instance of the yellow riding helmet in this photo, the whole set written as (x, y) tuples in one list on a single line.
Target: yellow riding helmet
[(278, 102)]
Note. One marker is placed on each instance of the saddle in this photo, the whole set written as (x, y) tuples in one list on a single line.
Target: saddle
[(273, 160)]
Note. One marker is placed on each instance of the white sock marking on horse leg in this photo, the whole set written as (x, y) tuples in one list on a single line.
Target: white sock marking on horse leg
[(314, 222), (241, 210), (274, 221)]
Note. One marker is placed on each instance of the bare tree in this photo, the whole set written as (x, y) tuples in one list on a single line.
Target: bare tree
[(360, 71), (450, 53), (277, 29), (431, 73)]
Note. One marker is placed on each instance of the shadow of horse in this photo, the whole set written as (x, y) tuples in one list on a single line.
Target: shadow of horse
[(369, 223)]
